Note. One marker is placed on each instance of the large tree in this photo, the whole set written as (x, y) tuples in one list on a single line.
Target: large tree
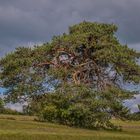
[(90, 58)]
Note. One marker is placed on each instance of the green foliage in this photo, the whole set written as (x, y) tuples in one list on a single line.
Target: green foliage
[(1, 105), (139, 107), (19, 76), (83, 71), (80, 106), (10, 112), (92, 49)]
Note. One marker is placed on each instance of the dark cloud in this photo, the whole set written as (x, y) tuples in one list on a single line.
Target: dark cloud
[(25, 21)]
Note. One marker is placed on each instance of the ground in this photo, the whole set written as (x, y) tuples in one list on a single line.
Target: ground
[(25, 128)]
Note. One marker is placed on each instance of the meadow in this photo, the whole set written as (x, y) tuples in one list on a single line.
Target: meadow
[(16, 127)]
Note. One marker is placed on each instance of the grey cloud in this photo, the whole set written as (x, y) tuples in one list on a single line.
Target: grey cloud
[(22, 22), (135, 46)]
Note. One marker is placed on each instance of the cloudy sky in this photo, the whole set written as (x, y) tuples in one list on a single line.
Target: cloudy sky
[(28, 22)]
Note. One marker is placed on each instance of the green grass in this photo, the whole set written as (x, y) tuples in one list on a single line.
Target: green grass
[(25, 128)]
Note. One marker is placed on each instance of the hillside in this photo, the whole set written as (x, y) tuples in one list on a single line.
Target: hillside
[(25, 128)]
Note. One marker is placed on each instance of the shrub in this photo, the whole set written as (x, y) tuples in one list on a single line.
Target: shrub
[(77, 106)]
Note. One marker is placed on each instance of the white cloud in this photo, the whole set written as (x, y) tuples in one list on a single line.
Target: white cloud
[(132, 104), (16, 106)]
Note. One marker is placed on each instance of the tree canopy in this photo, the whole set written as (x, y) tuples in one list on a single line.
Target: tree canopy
[(88, 56)]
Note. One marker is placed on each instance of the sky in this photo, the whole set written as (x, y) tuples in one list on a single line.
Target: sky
[(29, 22)]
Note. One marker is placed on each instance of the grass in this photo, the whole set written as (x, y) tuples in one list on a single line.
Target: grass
[(25, 128)]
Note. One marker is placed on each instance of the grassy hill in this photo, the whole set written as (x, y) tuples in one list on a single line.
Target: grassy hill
[(25, 128)]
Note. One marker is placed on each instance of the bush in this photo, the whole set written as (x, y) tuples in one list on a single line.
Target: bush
[(49, 113), (135, 116), (10, 111), (77, 106)]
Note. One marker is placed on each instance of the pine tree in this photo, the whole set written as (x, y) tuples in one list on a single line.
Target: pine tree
[(84, 69)]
